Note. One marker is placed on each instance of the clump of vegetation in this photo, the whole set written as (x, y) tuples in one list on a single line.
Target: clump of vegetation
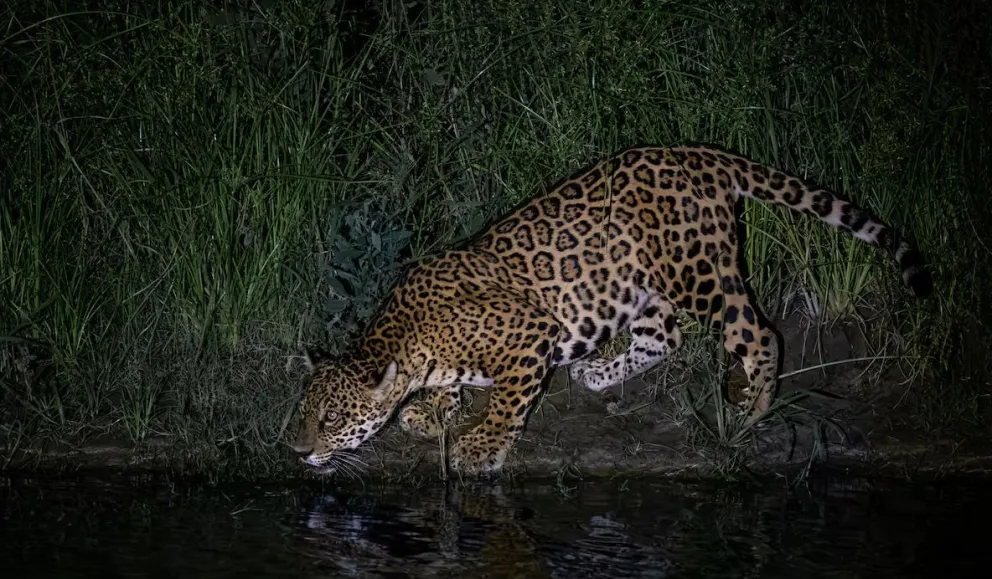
[(363, 260), (190, 193)]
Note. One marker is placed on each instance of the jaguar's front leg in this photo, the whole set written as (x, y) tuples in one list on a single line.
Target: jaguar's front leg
[(484, 448), (429, 415)]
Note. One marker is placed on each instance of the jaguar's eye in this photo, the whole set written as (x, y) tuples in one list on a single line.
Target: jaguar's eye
[(330, 415)]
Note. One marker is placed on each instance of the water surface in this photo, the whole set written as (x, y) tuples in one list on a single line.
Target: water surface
[(124, 528)]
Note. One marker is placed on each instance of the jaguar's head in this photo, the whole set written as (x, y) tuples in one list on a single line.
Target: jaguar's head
[(342, 408)]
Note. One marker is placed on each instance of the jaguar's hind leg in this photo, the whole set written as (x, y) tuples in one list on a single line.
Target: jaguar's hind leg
[(654, 335), (745, 335), (428, 416)]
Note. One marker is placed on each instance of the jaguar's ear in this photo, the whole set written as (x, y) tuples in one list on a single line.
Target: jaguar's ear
[(386, 383), (315, 356)]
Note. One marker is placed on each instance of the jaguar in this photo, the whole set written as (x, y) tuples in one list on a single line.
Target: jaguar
[(623, 246)]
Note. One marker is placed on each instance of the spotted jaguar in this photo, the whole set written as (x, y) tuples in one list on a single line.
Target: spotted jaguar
[(624, 245)]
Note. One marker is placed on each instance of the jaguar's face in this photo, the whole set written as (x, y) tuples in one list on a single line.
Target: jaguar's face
[(339, 412)]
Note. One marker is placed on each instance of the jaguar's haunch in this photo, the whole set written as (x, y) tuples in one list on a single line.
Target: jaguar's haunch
[(623, 245)]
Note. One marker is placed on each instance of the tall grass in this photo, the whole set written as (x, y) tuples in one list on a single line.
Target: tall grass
[(190, 193)]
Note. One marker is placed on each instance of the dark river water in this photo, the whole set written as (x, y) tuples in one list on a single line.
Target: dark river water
[(823, 528)]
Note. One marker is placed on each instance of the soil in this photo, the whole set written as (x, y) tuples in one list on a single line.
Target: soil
[(859, 423)]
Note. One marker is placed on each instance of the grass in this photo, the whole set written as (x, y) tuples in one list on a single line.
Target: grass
[(192, 193)]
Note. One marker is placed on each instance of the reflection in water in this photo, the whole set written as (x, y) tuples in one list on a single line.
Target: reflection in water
[(645, 529)]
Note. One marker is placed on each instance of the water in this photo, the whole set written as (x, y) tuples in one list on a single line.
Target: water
[(92, 528)]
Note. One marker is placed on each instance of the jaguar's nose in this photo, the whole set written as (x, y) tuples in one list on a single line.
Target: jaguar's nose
[(303, 450)]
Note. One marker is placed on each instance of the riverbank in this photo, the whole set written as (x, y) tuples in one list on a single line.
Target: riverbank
[(850, 413)]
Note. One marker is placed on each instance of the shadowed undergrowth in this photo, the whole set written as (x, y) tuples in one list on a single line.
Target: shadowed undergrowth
[(191, 193)]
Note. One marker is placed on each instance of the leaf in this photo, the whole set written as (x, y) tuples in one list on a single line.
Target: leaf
[(348, 276), (348, 253), (433, 77), (337, 287), (397, 238), (335, 306)]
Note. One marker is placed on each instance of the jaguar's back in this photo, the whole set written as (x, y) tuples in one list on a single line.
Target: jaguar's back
[(657, 224)]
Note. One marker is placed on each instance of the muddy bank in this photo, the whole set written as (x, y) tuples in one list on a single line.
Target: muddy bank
[(861, 421), (588, 442)]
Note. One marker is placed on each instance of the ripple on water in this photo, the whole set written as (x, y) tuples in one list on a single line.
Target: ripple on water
[(847, 528)]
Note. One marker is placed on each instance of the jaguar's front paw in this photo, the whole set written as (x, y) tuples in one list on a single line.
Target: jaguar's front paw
[(430, 415), (420, 422), (480, 451)]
